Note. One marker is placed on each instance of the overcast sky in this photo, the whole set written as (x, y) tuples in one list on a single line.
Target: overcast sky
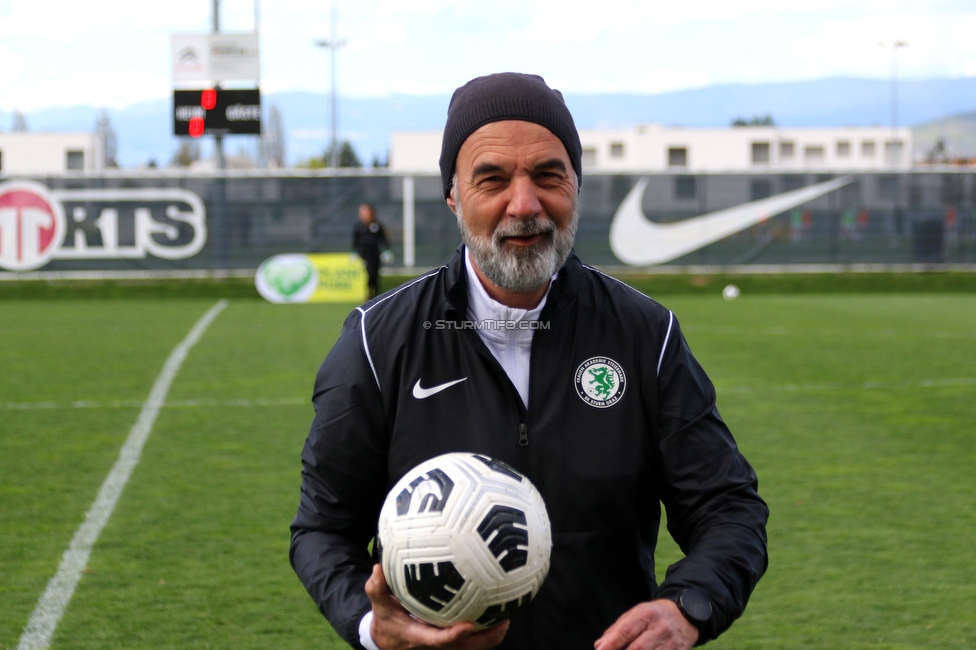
[(117, 52)]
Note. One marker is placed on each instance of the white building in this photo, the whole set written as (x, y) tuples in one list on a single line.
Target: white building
[(656, 148), (50, 153)]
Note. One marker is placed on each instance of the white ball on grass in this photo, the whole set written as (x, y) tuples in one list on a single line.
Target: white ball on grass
[(730, 292)]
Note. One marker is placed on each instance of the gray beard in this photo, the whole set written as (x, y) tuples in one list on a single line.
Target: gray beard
[(520, 269)]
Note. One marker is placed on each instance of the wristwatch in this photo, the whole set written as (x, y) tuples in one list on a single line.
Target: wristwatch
[(694, 606)]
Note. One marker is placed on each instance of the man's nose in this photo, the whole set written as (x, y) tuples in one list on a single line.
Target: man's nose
[(524, 201)]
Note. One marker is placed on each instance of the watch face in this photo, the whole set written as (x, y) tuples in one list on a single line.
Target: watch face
[(695, 604)]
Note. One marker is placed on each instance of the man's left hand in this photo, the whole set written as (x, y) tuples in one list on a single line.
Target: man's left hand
[(656, 625)]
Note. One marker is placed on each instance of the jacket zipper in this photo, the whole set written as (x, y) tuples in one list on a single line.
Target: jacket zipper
[(523, 430)]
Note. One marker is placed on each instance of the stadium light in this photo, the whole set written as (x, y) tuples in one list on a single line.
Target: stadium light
[(333, 44), (895, 46)]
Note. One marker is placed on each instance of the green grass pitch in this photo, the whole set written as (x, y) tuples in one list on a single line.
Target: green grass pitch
[(858, 412)]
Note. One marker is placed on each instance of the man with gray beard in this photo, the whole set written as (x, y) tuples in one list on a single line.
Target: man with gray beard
[(589, 389), (518, 270)]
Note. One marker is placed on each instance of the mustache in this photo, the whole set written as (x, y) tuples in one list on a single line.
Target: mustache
[(540, 226)]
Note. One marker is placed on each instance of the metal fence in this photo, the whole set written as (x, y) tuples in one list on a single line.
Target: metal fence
[(150, 221)]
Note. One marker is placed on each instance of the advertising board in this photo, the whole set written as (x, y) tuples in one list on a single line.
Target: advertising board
[(38, 225), (206, 59), (168, 220)]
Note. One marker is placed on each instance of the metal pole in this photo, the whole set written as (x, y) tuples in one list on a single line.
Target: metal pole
[(333, 44), (219, 161), (258, 157), (894, 92), (895, 151), (334, 153)]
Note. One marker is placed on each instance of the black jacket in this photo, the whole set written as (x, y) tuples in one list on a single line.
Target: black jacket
[(602, 470), (369, 241)]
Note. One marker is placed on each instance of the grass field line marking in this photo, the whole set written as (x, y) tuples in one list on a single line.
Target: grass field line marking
[(52, 603), (127, 404), (866, 385)]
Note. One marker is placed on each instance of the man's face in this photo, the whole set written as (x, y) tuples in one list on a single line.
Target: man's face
[(515, 197), (365, 214)]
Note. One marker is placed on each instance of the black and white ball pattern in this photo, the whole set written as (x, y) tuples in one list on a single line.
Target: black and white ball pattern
[(464, 537)]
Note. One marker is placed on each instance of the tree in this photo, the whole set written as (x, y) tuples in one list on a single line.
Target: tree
[(187, 153), (938, 153), (347, 157), (272, 149), (20, 123), (110, 143), (755, 120)]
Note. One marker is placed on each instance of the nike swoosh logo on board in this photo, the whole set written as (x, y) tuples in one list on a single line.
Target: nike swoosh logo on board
[(637, 241), (423, 393)]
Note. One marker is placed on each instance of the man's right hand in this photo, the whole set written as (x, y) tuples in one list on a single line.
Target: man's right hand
[(394, 629)]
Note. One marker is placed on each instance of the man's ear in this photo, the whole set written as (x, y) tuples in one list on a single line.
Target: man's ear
[(451, 204)]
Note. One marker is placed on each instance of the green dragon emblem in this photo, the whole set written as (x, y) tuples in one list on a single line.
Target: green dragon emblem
[(603, 377)]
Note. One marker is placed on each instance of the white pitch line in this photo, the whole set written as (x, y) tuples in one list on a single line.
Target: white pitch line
[(52, 603)]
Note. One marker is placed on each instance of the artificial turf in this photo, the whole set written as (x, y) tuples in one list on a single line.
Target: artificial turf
[(856, 410)]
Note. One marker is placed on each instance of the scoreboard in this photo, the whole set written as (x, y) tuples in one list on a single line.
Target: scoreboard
[(216, 112)]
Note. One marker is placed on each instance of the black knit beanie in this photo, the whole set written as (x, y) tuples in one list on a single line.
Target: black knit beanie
[(506, 96)]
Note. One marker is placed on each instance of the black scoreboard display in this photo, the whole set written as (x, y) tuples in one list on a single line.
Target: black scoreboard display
[(216, 112)]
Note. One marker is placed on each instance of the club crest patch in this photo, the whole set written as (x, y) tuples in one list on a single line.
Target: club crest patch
[(600, 382)]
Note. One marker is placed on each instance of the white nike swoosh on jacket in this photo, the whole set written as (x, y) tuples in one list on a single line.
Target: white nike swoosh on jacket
[(424, 393), (637, 241)]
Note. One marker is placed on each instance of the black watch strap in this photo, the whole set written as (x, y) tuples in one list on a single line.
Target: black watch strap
[(694, 606)]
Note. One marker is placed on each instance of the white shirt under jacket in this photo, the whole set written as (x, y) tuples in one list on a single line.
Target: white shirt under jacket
[(512, 348)]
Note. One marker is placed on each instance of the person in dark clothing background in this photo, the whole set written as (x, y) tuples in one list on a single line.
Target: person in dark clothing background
[(369, 241)]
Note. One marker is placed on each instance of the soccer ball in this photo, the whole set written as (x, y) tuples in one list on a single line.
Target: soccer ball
[(464, 537)]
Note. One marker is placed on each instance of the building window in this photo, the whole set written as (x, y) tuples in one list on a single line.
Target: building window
[(760, 153), (813, 153), (843, 149), (867, 149), (893, 151), (685, 187), (616, 149), (74, 160), (589, 157), (677, 157), (786, 150)]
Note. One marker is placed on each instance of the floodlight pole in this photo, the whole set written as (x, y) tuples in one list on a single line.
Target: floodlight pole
[(894, 82), (895, 46), (219, 161), (333, 44)]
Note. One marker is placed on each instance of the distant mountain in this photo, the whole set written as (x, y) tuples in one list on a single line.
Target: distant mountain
[(825, 102), (958, 132), (144, 128)]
